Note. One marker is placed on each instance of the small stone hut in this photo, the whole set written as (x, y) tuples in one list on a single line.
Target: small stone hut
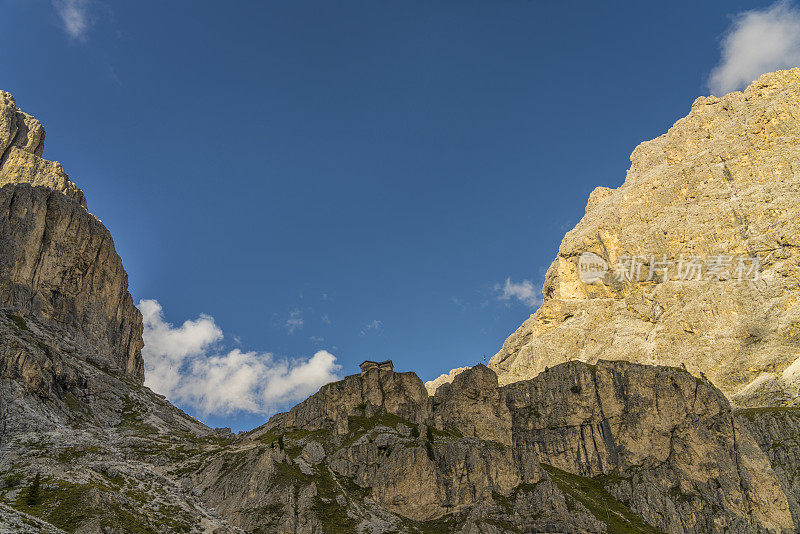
[(383, 366)]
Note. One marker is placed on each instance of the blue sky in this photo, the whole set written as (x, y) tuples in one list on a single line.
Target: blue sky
[(359, 178)]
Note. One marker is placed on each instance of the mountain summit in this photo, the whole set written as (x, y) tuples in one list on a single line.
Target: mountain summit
[(699, 251), (532, 443)]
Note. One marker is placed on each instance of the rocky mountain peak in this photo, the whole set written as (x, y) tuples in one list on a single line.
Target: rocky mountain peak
[(21, 149), (699, 255), (57, 261), (538, 441)]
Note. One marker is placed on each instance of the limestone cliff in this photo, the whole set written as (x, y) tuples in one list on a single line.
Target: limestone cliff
[(57, 261), (653, 447), (608, 447), (21, 148), (777, 432), (699, 203)]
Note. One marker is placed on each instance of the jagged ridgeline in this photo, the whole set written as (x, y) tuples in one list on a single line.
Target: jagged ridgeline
[(575, 447)]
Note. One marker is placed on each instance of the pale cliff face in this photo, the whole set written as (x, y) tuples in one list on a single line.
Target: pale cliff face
[(722, 182), (57, 261)]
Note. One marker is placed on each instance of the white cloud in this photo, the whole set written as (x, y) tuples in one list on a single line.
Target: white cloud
[(74, 15), (757, 41), (294, 322), (374, 325), (460, 304), (187, 365), (524, 292)]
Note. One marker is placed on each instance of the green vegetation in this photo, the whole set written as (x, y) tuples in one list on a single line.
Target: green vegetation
[(504, 501), (13, 480), (754, 413), (32, 495), (590, 493), (331, 514), (133, 420), (447, 433), (70, 454), (359, 425), (232, 461), (293, 440), (288, 474), (68, 505), (270, 437), (76, 405), (18, 321), (447, 523), (60, 503)]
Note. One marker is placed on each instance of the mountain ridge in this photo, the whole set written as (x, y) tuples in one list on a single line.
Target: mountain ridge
[(608, 446)]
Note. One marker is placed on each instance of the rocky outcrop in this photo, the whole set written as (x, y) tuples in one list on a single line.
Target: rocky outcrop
[(610, 446), (21, 148), (377, 390), (718, 189), (57, 261), (475, 406), (659, 445), (668, 441), (777, 432), (99, 441)]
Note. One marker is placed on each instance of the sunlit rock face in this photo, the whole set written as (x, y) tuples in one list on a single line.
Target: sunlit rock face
[(57, 261), (715, 200), (21, 148)]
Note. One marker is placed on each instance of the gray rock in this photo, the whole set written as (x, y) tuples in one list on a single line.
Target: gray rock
[(558, 452), (313, 453)]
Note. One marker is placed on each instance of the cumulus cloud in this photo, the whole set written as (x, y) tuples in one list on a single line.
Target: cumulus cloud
[(757, 41), (187, 365), (524, 292), (167, 347), (74, 15)]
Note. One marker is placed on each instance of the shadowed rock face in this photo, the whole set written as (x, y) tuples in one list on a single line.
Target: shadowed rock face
[(400, 394), (777, 432), (663, 435), (474, 404), (723, 182), (57, 261), (663, 443)]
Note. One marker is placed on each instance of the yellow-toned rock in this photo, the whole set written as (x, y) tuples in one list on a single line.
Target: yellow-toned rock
[(723, 182)]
